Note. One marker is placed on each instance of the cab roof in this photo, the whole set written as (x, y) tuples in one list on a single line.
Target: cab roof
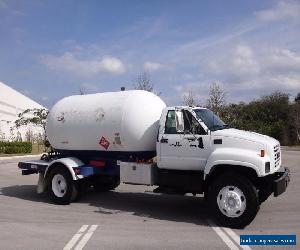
[(185, 107)]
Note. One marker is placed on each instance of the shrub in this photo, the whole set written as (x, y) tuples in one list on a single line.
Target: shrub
[(15, 147)]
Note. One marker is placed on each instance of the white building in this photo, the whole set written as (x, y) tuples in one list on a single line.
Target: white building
[(12, 103)]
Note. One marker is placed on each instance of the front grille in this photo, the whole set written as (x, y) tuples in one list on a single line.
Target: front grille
[(277, 155)]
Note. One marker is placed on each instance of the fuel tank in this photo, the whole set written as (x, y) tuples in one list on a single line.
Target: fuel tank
[(125, 121)]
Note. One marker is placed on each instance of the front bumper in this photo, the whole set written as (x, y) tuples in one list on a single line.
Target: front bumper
[(281, 181)]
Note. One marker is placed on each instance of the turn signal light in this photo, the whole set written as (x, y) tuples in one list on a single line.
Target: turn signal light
[(262, 153)]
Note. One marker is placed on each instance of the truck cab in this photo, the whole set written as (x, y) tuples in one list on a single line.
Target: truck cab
[(236, 170), (194, 138)]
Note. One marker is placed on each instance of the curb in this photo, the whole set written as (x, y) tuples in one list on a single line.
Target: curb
[(18, 156), (287, 148)]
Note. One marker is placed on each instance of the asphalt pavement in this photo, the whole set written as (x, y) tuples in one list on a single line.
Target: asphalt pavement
[(131, 217)]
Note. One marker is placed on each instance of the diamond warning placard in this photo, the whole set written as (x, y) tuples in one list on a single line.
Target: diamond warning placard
[(104, 143)]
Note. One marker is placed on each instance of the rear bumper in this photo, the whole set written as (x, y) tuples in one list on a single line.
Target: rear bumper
[(281, 181), (33, 167)]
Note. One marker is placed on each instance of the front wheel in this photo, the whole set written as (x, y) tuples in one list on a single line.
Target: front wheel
[(233, 200), (61, 188)]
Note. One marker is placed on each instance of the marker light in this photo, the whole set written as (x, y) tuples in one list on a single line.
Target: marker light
[(267, 167), (262, 153)]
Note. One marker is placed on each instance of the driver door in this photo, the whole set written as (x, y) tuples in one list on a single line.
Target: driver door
[(183, 150)]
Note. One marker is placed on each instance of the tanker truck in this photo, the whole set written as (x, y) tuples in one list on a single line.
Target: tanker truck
[(132, 137)]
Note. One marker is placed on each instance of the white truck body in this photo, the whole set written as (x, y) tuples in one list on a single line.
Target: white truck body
[(126, 120), (195, 152)]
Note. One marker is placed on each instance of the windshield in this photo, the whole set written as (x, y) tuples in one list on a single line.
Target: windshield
[(212, 121)]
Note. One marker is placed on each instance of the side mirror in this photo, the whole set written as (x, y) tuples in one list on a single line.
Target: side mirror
[(179, 121)]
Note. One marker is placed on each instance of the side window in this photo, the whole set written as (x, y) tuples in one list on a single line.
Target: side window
[(170, 127), (192, 125)]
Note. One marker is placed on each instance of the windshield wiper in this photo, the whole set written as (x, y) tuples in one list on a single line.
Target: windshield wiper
[(218, 126)]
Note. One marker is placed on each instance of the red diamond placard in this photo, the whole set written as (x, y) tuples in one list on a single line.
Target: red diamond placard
[(104, 143)]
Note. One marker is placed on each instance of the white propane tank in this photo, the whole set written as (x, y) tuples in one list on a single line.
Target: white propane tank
[(125, 121)]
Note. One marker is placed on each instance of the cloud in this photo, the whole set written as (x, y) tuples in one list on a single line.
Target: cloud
[(113, 65), (19, 13), (292, 82), (154, 28), (260, 67), (67, 62), (153, 66), (283, 10), (245, 71), (45, 98), (240, 61), (282, 60), (3, 4), (250, 57), (147, 28), (199, 90)]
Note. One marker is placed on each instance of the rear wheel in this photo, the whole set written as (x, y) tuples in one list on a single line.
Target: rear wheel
[(80, 188), (61, 188), (233, 200)]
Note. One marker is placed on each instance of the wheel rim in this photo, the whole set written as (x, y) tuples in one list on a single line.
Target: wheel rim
[(59, 185), (231, 201)]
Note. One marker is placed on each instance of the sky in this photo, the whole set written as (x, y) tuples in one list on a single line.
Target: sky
[(52, 49)]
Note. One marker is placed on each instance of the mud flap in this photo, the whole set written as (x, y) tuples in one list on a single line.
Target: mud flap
[(41, 187)]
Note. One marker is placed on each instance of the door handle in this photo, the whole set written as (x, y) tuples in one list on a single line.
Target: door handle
[(190, 137), (164, 140)]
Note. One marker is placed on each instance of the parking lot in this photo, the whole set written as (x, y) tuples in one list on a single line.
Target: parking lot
[(131, 217)]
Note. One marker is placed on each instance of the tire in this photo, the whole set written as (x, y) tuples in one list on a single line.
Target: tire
[(61, 188), (265, 189), (233, 200), (80, 188), (264, 195)]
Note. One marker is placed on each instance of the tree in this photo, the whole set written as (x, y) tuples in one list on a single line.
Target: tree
[(35, 116), (19, 137), (82, 91), (12, 136), (3, 123), (268, 115), (143, 82), (40, 138), (189, 99), (296, 117), (217, 98), (29, 135), (2, 135), (297, 98), (232, 114)]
